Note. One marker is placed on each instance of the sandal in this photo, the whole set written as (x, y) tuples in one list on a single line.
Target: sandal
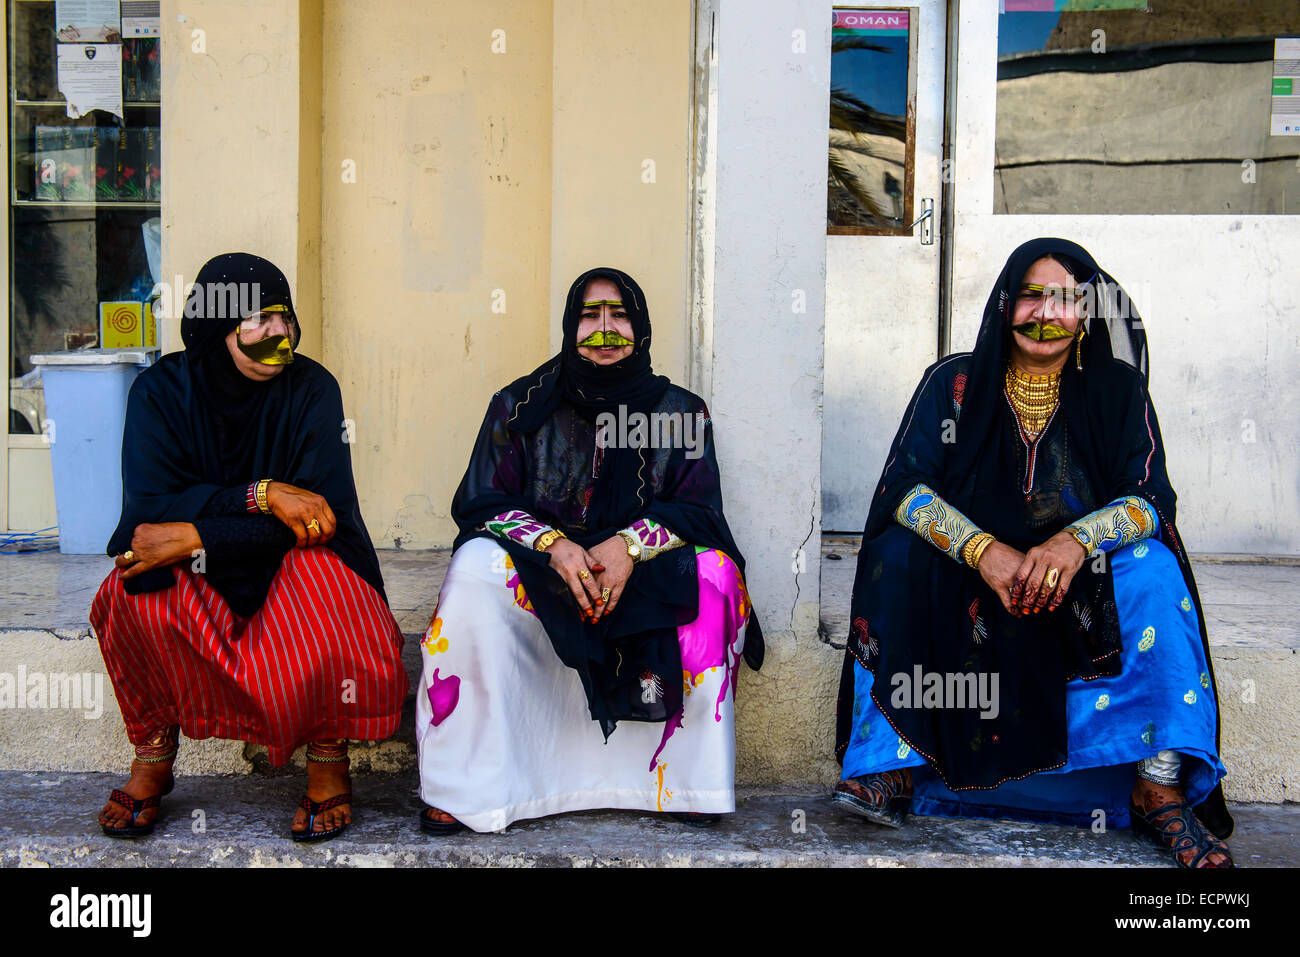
[(134, 806), (307, 835), (323, 752), (429, 826), (883, 798), (158, 749), (1177, 833), (696, 818)]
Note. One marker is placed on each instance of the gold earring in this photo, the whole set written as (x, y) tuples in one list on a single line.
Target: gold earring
[(1078, 348)]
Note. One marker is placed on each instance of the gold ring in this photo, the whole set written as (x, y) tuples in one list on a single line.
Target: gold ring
[(604, 594), (1053, 576), (584, 574), (314, 526), (129, 555)]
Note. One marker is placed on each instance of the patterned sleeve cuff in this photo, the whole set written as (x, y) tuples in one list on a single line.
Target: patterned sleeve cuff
[(250, 498), (1123, 522), (924, 511), (654, 539), (518, 526)]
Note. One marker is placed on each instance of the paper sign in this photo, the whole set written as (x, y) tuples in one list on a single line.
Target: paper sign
[(90, 77), (1285, 107), (140, 18), (125, 324), (87, 21)]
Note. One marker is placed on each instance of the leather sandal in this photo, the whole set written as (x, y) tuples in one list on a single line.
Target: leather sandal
[(134, 806), (696, 818), (1176, 828), (307, 835), (441, 828), (883, 798)]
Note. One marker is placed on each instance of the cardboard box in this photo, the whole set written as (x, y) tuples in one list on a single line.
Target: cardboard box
[(152, 164), (106, 145), (48, 151), (131, 71), (126, 324), (130, 165), (77, 164), (141, 79)]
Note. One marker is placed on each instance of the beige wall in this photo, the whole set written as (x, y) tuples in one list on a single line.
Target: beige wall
[(622, 94), (238, 149), (451, 145), (477, 178)]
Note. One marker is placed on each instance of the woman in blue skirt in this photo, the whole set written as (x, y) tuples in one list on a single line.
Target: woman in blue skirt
[(1027, 639)]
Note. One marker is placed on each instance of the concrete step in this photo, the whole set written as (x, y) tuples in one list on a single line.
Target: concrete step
[(785, 716), (49, 820)]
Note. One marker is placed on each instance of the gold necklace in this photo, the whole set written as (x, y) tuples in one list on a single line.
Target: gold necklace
[(1033, 397)]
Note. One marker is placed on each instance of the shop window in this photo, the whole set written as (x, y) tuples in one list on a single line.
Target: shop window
[(1148, 106), (84, 191), (869, 187)]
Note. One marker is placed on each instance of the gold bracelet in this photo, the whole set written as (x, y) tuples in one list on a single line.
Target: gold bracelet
[(973, 550), (547, 539), (259, 493)]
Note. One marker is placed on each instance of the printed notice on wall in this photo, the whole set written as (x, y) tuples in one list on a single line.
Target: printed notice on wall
[(90, 77), (140, 18), (1285, 113), (87, 21)]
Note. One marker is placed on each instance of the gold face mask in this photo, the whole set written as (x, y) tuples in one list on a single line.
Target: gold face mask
[(606, 337), (271, 351), (1043, 331)]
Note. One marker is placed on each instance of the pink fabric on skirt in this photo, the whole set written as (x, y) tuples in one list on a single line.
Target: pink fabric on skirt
[(503, 728)]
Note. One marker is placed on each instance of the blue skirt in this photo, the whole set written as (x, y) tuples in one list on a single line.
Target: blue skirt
[(1162, 699)]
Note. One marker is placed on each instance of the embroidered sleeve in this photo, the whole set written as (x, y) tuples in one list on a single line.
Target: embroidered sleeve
[(924, 511), (518, 526), (654, 539), (1123, 522)]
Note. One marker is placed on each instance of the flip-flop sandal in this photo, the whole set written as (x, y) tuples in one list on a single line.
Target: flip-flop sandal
[(890, 811), (308, 836), (696, 819), (1192, 835), (440, 828), (135, 806)]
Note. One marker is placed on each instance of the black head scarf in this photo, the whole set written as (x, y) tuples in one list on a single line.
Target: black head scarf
[(586, 385), (1094, 397), (228, 289), (592, 389), (916, 607), (525, 434), (196, 427)]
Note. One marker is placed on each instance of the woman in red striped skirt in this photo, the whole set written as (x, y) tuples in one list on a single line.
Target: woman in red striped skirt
[(247, 600)]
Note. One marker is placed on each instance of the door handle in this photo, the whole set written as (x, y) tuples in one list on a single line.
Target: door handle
[(926, 219)]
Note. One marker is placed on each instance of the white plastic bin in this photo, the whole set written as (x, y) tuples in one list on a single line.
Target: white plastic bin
[(85, 405)]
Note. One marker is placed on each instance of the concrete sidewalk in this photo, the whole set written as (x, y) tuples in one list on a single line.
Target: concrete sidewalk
[(49, 820), (64, 765)]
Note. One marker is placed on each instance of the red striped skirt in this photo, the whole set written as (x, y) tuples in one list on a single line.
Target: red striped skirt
[(320, 660)]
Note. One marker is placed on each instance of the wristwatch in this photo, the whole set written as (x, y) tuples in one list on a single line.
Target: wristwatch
[(547, 539), (633, 546)]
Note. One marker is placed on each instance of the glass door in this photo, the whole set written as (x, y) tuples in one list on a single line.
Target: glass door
[(84, 197), (883, 239)]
